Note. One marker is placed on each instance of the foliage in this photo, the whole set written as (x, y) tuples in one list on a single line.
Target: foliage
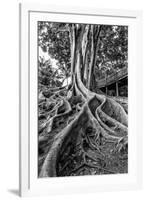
[(47, 75), (113, 49), (55, 42)]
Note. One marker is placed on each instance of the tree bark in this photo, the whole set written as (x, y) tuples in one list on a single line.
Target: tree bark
[(95, 32)]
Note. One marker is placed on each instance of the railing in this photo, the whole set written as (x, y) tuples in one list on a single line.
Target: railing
[(112, 78)]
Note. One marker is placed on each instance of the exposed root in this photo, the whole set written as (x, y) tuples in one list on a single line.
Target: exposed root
[(84, 142)]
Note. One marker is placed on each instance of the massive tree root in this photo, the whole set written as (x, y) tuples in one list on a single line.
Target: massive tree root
[(82, 134)]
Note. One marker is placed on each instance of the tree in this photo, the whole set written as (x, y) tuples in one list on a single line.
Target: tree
[(113, 53), (82, 132), (56, 43)]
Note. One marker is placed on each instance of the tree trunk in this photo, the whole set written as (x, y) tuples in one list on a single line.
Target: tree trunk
[(94, 48)]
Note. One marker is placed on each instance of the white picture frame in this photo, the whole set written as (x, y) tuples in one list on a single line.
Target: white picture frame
[(30, 184)]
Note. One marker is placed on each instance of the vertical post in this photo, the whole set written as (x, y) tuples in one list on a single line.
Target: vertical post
[(117, 89), (106, 90)]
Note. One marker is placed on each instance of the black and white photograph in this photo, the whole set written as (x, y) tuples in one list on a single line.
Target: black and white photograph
[(82, 99)]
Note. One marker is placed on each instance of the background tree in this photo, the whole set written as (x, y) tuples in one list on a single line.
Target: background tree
[(113, 49)]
